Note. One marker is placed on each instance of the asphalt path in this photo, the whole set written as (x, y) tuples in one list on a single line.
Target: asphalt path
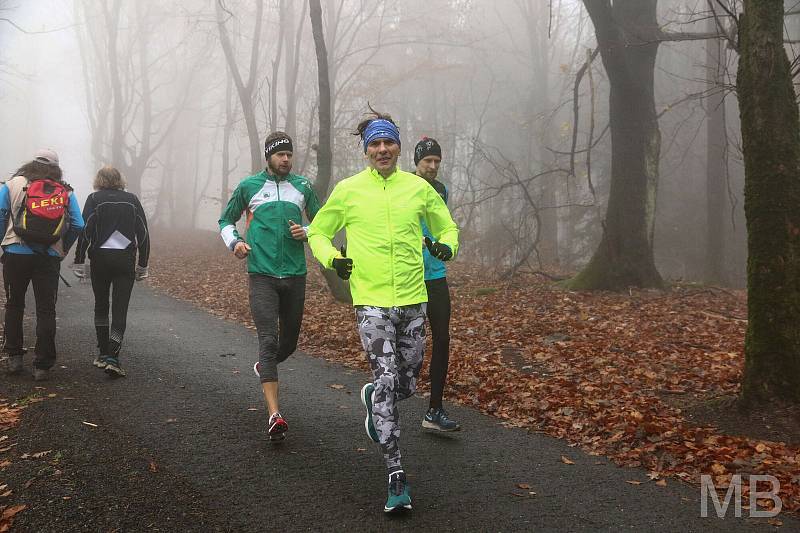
[(181, 445)]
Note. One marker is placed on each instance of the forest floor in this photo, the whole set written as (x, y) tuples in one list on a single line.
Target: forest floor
[(646, 378)]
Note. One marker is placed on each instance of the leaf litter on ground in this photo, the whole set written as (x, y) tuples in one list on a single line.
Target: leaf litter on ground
[(611, 373)]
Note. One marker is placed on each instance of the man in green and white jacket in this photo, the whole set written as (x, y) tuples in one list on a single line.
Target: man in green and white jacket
[(380, 209), (274, 201)]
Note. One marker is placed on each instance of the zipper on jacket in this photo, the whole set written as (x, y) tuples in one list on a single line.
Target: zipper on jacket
[(280, 234), (391, 238)]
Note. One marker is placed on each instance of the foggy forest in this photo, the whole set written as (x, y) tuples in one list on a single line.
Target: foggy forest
[(624, 176)]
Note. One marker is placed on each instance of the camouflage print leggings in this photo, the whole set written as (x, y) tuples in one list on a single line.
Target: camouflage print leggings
[(394, 339)]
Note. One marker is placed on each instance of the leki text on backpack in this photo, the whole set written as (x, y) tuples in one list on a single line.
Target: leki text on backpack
[(42, 216)]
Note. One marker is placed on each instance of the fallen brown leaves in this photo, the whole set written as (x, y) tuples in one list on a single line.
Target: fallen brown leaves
[(9, 418), (595, 369)]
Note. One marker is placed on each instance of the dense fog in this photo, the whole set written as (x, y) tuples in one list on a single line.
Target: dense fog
[(148, 87)]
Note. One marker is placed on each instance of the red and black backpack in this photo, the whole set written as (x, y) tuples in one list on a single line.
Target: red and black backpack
[(42, 216)]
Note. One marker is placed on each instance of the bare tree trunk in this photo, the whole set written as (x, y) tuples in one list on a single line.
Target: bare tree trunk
[(162, 211), (245, 91), (195, 200), (540, 138), (324, 153), (339, 290), (141, 154), (117, 137), (716, 161), (624, 257), (98, 95), (771, 148), (276, 65), (226, 145), (293, 49)]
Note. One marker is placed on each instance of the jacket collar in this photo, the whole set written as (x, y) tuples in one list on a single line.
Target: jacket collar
[(274, 178), (377, 175)]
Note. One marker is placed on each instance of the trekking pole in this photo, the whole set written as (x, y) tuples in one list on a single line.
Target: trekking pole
[(64, 280)]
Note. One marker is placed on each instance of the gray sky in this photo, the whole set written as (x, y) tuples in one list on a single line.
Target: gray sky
[(41, 97)]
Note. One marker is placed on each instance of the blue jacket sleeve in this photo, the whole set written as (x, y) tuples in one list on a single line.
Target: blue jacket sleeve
[(5, 206), (83, 238), (75, 223)]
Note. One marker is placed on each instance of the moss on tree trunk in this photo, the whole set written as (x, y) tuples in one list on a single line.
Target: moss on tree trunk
[(624, 257), (771, 147)]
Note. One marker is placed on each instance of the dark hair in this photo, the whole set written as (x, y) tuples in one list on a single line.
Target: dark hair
[(39, 171), (372, 115), (274, 136)]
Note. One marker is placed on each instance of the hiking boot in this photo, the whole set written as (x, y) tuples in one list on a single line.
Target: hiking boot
[(114, 368), (399, 497), (437, 419), (277, 427), (367, 392), (41, 374), (257, 369), (14, 364), (100, 361)]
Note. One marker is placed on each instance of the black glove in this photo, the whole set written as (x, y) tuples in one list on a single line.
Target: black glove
[(439, 250), (343, 265)]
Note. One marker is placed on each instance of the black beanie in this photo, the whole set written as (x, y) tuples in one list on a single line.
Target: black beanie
[(281, 144), (426, 147)]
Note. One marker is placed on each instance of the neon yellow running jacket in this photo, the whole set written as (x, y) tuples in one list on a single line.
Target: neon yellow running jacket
[(381, 218)]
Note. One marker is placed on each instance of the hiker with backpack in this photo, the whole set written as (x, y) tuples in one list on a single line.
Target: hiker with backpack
[(42, 219), (116, 228)]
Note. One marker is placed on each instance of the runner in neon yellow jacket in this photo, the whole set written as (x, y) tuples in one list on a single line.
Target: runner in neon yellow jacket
[(380, 209), (384, 237)]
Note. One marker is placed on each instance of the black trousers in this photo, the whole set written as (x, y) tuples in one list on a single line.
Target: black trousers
[(112, 274), (439, 321), (19, 270), (277, 308)]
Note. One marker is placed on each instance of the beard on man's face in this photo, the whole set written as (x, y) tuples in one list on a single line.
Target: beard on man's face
[(281, 169)]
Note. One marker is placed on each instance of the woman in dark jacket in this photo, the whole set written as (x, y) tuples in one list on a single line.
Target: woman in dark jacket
[(116, 227)]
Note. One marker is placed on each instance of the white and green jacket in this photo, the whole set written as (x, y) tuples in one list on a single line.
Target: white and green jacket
[(270, 202)]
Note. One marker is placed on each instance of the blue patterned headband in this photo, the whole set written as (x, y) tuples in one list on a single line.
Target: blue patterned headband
[(380, 129)]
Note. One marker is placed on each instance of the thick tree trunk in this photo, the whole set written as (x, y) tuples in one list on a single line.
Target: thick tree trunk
[(716, 162), (624, 257), (771, 148)]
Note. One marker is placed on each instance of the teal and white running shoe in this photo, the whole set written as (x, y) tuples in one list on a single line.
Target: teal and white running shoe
[(399, 497), (366, 399)]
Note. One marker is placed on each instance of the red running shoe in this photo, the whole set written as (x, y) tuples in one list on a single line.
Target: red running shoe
[(277, 427)]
